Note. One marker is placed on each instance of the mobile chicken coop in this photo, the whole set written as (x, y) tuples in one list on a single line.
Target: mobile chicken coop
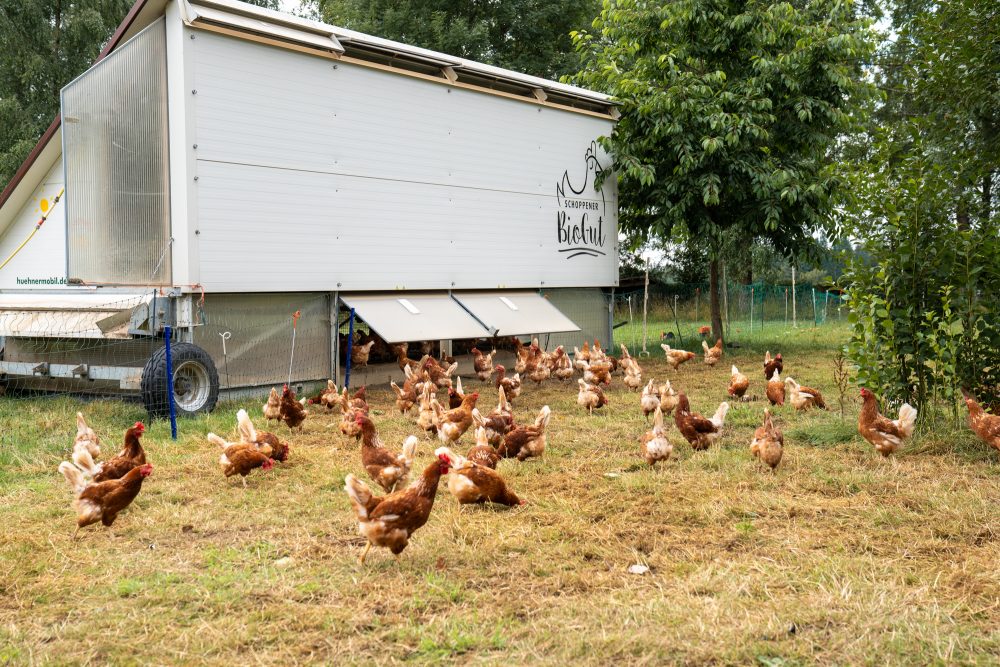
[(225, 166)]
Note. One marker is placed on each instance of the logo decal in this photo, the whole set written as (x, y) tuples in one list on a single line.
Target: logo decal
[(582, 210)]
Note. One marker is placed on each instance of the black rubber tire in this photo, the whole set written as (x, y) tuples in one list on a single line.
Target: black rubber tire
[(154, 381)]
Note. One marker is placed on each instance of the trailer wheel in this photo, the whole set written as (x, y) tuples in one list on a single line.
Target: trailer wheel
[(196, 381)]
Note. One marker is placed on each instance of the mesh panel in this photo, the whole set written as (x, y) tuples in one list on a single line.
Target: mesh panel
[(115, 156)]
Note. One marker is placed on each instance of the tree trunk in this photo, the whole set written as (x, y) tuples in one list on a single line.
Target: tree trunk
[(714, 301), (987, 197), (962, 217)]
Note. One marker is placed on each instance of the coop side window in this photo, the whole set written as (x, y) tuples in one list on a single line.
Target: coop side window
[(115, 160)]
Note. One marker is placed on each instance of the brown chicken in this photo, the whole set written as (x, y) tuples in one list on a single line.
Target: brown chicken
[(455, 394), (250, 435), (482, 364), (131, 456), (886, 435), (562, 367), (738, 383), (712, 354), (292, 412), (499, 422), (526, 441), (775, 390), (590, 396), (482, 452), (389, 521), (768, 442), (403, 360), (102, 501), (803, 398), (242, 458), (388, 470), (511, 385), (406, 397), (427, 419), (86, 438), (598, 372), (431, 370), (772, 365), (668, 398), (631, 369), (676, 357), (697, 430), (656, 446), (272, 409), (650, 399), (527, 358), (330, 398), (985, 425), (360, 353), (472, 483), (452, 424)]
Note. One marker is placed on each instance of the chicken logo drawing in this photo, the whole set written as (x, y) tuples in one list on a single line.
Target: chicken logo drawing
[(581, 211)]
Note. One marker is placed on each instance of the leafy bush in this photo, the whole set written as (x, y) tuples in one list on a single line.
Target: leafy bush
[(925, 309)]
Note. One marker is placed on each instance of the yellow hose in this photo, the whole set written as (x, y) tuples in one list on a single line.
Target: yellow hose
[(35, 230)]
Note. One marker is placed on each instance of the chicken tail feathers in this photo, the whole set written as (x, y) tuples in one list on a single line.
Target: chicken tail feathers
[(85, 462), (410, 448), (543, 417), (907, 419), (719, 419), (360, 495), (73, 476), (246, 428), (216, 440), (81, 424)]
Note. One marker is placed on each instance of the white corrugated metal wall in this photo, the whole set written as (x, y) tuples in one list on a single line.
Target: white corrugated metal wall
[(314, 174)]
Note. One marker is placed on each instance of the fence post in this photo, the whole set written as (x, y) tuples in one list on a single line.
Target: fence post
[(815, 317), (697, 304), (611, 320), (826, 304), (645, 310), (677, 324), (725, 299), (350, 345), (795, 319), (786, 306), (170, 384), (751, 309), (763, 308)]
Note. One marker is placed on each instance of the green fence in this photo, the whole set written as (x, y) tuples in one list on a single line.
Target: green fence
[(749, 312)]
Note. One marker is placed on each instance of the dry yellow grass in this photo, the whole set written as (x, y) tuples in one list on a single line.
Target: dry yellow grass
[(840, 557)]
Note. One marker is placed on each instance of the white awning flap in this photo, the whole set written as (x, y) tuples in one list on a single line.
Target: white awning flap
[(405, 316), (68, 315), (515, 313)]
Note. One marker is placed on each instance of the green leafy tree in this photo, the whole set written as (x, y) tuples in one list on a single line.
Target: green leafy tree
[(926, 297), (729, 112), (530, 36), (46, 43)]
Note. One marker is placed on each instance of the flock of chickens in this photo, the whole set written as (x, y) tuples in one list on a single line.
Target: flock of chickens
[(102, 489)]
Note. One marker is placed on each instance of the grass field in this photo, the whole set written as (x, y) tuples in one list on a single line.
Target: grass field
[(839, 558)]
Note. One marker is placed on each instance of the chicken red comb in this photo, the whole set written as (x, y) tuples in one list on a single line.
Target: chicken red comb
[(139, 425), (444, 458)]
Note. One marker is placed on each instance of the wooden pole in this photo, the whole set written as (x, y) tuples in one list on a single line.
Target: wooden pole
[(795, 321)]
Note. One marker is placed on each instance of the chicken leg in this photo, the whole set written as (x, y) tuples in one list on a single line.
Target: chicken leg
[(364, 554)]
